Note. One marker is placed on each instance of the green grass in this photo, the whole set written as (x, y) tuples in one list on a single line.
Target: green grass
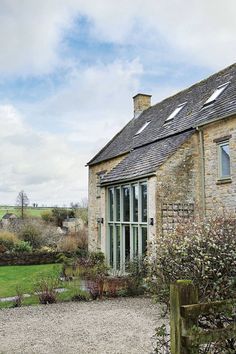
[(26, 277), (34, 212), (23, 276)]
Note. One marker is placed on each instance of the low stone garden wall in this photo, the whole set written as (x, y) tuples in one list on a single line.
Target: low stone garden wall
[(29, 258)]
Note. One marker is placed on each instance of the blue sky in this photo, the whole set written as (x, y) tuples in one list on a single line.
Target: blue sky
[(69, 69)]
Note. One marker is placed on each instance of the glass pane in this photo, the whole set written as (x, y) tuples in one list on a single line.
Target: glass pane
[(127, 243), (144, 202), (135, 241), (225, 161), (135, 202), (126, 203), (117, 247), (144, 241), (111, 204), (117, 204), (111, 244)]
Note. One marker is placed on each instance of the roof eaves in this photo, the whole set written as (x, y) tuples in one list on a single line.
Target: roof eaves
[(128, 179), (91, 163), (214, 120)]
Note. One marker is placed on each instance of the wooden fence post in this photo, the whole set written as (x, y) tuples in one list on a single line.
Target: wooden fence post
[(182, 292)]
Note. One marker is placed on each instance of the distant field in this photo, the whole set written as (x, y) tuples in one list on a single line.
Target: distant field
[(36, 212)]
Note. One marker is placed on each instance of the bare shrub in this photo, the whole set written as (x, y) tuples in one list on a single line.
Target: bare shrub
[(36, 231), (74, 240), (83, 238), (68, 244)]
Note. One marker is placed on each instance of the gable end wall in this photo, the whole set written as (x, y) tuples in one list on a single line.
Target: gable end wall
[(96, 201)]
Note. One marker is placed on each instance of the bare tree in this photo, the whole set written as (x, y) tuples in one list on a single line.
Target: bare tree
[(22, 201)]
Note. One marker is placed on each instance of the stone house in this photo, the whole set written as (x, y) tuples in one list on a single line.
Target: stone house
[(73, 224), (8, 219), (172, 161)]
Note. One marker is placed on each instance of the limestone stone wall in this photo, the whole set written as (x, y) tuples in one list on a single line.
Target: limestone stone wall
[(176, 190), (219, 195), (179, 185), (97, 204)]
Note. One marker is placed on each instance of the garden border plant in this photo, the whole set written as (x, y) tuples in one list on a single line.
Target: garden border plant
[(202, 251)]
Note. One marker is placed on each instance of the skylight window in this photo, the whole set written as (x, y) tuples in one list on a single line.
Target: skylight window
[(176, 111), (216, 94), (142, 128)]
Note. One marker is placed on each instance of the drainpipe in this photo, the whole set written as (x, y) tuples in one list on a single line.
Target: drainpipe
[(202, 158)]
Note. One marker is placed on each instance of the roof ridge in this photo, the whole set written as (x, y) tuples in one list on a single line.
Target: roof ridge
[(195, 84), (196, 94)]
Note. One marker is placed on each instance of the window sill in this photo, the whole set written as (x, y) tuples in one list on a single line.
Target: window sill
[(224, 180)]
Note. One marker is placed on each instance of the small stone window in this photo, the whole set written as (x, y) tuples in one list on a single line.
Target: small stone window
[(224, 160)]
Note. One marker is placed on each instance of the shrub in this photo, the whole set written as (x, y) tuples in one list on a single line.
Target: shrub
[(77, 293), (81, 295), (114, 286), (8, 240), (22, 246), (203, 251), (83, 238), (32, 235), (17, 302), (74, 241), (47, 216), (161, 340), (136, 273), (46, 290), (68, 244)]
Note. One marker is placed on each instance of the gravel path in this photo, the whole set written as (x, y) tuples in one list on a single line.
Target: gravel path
[(123, 325)]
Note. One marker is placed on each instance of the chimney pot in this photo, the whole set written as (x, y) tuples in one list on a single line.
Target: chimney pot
[(141, 102)]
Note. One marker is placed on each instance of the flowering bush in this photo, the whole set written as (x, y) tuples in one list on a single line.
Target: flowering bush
[(203, 251)]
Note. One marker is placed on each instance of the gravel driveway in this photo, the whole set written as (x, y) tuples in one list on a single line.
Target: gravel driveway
[(123, 325)]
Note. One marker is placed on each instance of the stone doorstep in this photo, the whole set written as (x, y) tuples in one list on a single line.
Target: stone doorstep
[(13, 298)]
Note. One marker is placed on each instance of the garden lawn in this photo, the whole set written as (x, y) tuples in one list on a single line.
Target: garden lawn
[(24, 276)]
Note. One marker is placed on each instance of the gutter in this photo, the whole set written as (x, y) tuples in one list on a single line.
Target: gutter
[(202, 162), (119, 181)]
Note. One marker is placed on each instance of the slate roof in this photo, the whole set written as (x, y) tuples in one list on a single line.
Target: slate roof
[(145, 160), (188, 118)]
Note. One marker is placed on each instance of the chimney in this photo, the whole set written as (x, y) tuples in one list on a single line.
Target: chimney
[(141, 102)]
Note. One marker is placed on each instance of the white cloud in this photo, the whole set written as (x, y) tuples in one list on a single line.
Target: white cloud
[(43, 164), (32, 32), (93, 104), (203, 31)]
